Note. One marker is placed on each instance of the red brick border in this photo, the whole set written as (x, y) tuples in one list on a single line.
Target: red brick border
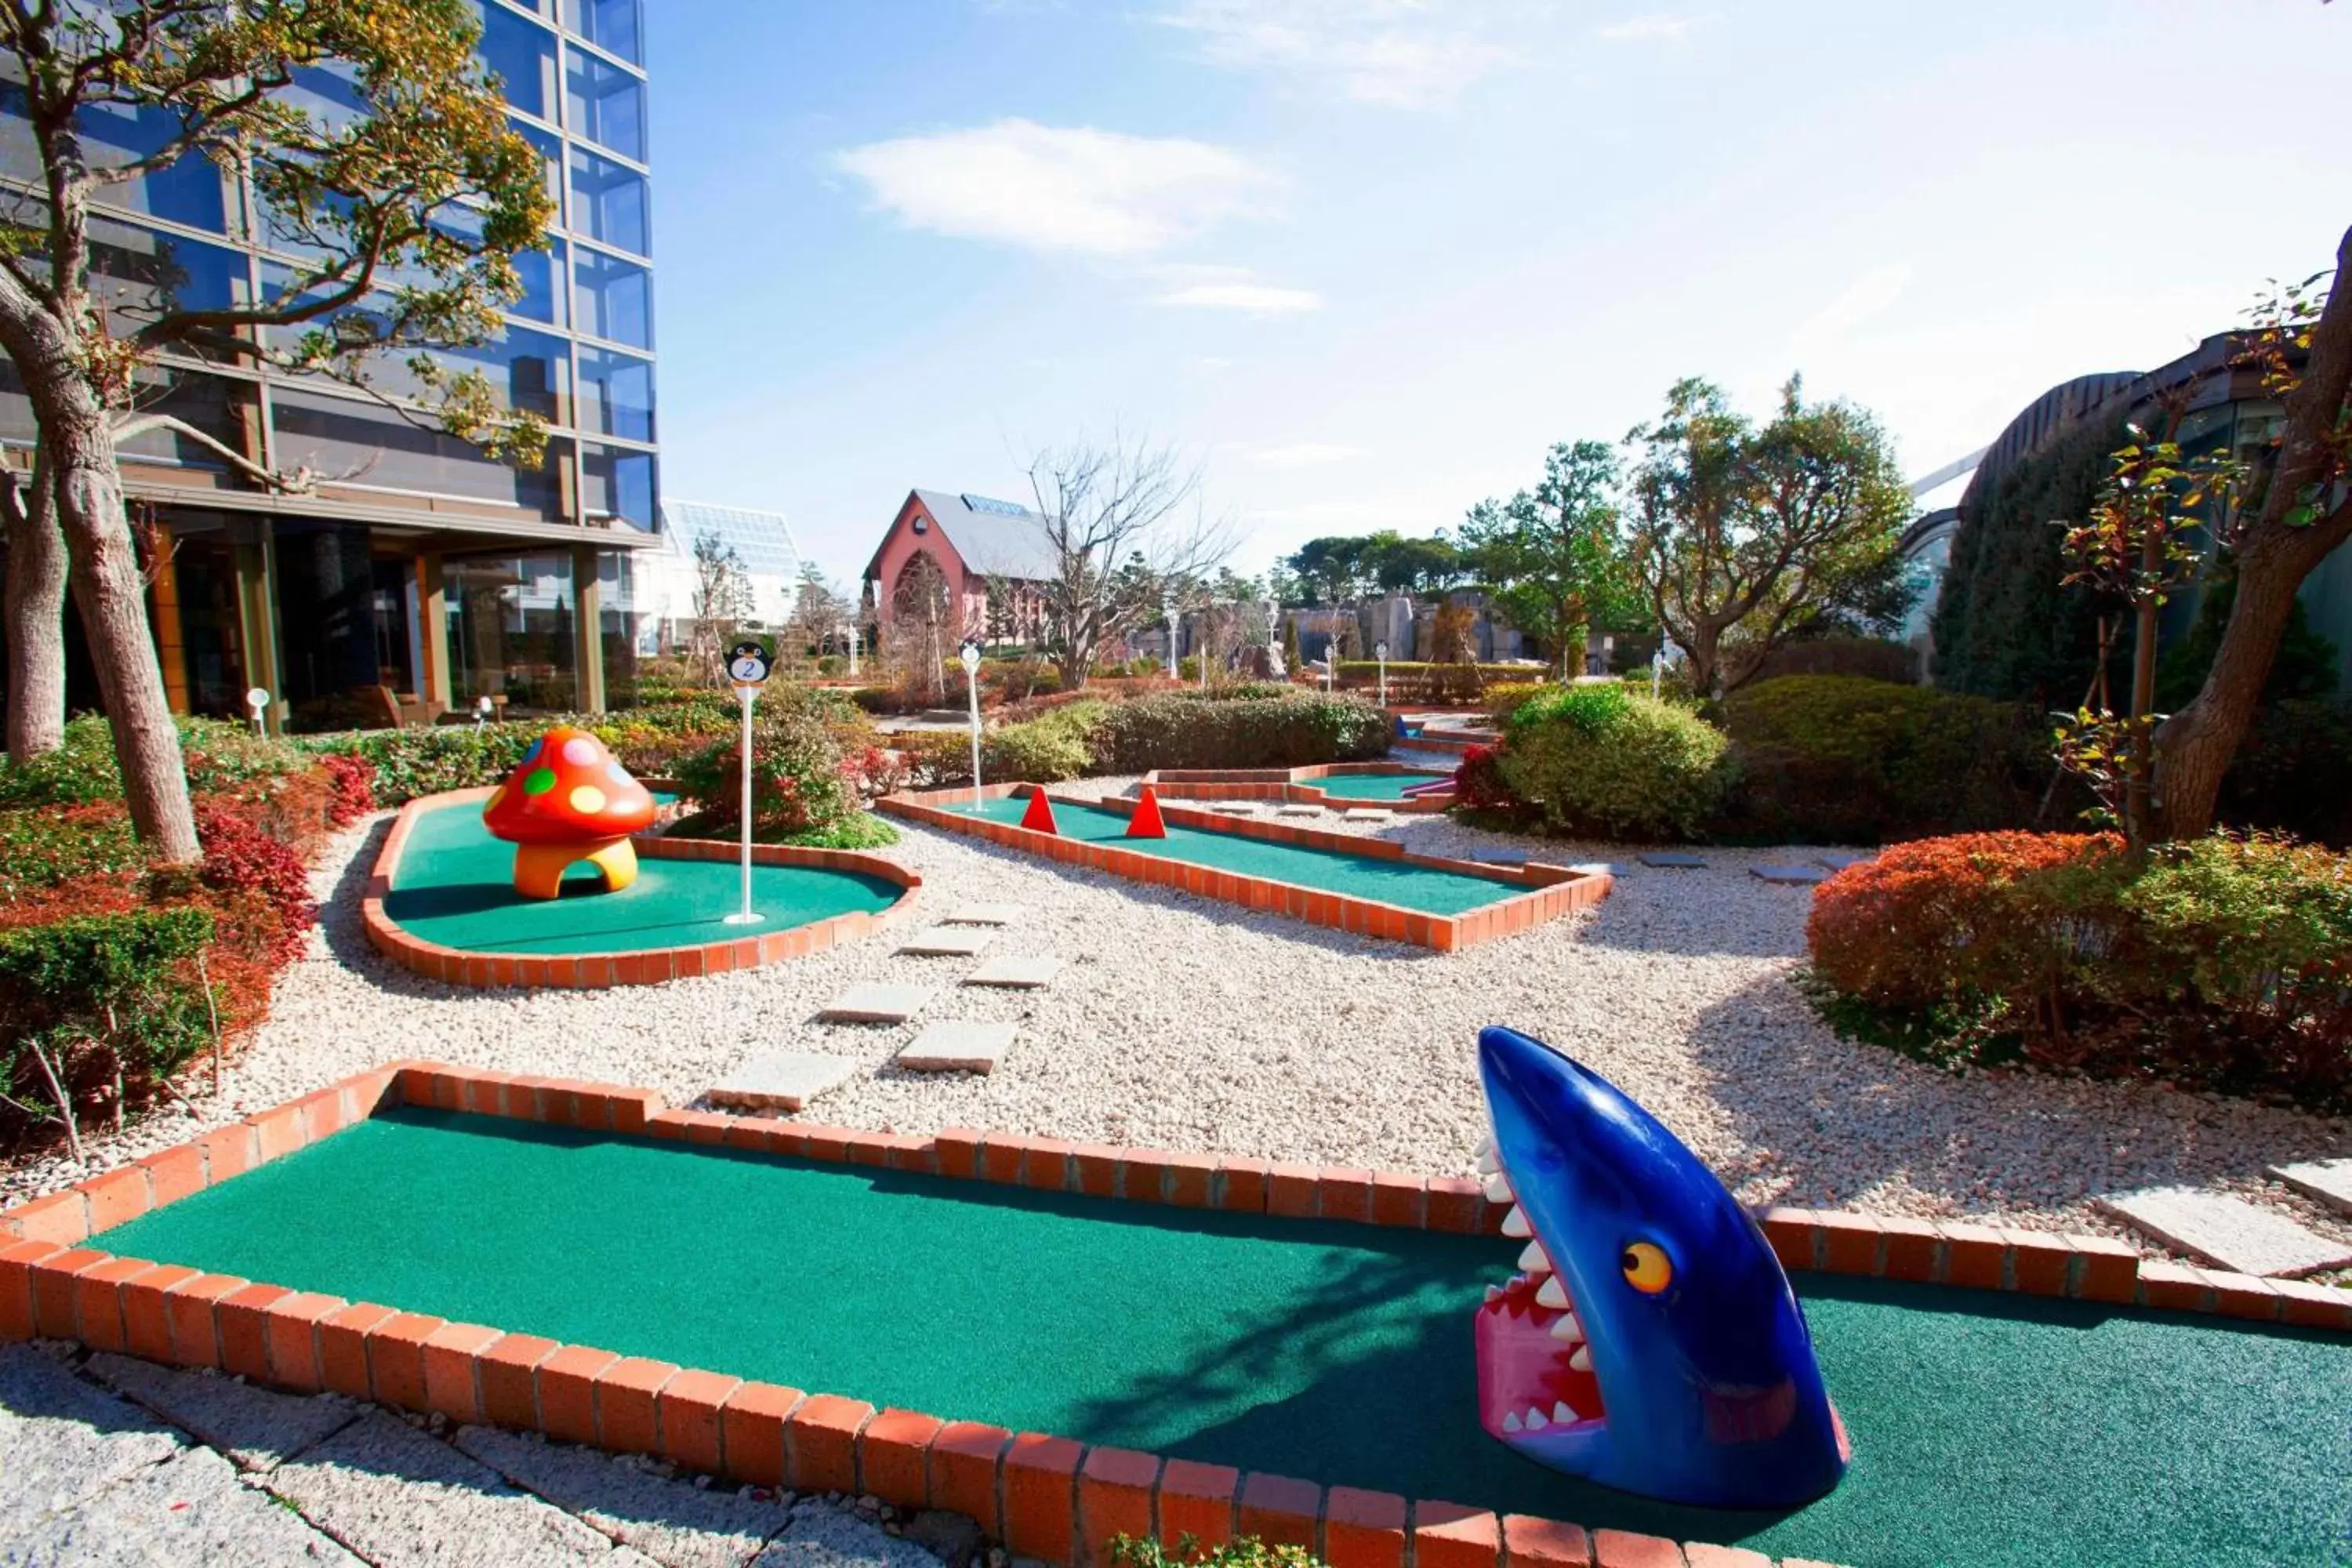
[(1047, 1496), (1550, 891), (647, 967)]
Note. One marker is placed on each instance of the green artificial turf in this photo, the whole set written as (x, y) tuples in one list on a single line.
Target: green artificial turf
[(455, 886), (1988, 1429), (1373, 786), (1420, 887)]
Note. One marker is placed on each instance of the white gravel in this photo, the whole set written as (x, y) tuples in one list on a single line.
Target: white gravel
[(1185, 1024)]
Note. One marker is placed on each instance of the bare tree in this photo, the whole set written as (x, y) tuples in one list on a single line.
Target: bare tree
[(926, 620), (722, 599), (819, 611), (1122, 523)]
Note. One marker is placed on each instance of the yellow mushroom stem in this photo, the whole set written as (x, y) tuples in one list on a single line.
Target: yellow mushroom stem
[(540, 867)]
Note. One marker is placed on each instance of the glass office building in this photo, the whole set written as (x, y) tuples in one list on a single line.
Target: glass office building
[(420, 575)]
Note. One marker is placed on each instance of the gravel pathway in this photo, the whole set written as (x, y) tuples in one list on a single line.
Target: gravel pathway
[(1188, 1024)]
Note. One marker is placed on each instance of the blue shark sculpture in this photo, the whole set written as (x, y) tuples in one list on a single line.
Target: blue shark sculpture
[(1651, 1341)]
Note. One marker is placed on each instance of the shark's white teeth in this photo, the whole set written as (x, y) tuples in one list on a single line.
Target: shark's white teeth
[(1561, 1413), (1566, 1327), (1489, 1160), (1515, 1225), (1511, 1422), (1534, 1261), (1498, 1188), (1551, 1295), (1582, 1360), (1537, 1420), (1494, 1294)]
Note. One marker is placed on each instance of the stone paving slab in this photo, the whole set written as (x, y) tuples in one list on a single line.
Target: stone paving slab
[(1298, 808), (673, 1522), (2227, 1232), (957, 1046), (986, 915), (1016, 974), (62, 1441), (398, 1497), (821, 1536), (1367, 814), (877, 1002), (2327, 1181), (1839, 860), (785, 1081), (1598, 868), (254, 1427), (191, 1510), (947, 942), (1790, 876), (1665, 862)]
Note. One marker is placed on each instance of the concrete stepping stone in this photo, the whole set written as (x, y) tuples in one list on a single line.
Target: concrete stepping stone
[(1790, 876), (957, 1046), (1597, 869), (987, 915), (1666, 862), (947, 942), (2327, 1181), (255, 1427), (1367, 814), (786, 1082), (1016, 974), (1298, 808), (877, 1002), (669, 1520), (63, 1441), (1839, 860), (192, 1509), (2227, 1232), (1238, 808), (393, 1495)]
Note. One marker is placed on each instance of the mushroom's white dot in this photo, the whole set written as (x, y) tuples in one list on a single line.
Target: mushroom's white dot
[(587, 800), (583, 752)]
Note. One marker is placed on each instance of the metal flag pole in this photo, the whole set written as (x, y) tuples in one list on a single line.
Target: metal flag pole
[(970, 657), (747, 667)]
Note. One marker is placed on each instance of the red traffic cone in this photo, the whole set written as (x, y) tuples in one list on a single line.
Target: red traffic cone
[(1039, 816), (1147, 822)]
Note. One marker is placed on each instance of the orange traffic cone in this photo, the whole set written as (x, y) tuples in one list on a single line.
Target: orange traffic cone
[(1147, 822), (1039, 816)]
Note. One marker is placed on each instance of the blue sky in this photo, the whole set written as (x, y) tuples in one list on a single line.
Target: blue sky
[(1366, 259)]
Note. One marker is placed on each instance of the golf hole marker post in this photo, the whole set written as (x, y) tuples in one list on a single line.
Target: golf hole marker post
[(256, 702), (1380, 652), (747, 667), (970, 656)]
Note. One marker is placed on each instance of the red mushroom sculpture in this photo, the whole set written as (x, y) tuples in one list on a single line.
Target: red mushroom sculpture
[(569, 801)]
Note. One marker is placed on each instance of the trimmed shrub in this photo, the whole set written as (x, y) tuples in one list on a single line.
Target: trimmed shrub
[(800, 782), (82, 772), (1479, 788), (1503, 700), (353, 782), (413, 763), (1045, 749), (1865, 659), (1175, 730), (1597, 762), (2224, 963), (1843, 760), (43, 848)]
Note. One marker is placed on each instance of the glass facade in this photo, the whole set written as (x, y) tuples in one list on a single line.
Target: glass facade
[(357, 602)]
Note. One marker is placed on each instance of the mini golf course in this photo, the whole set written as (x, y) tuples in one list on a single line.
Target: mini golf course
[(1988, 1428), (1381, 786), (1429, 889), (451, 890)]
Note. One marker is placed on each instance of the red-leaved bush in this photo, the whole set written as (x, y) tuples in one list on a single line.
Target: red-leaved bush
[(241, 859), (1478, 783), (351, 780), (2224, 963)]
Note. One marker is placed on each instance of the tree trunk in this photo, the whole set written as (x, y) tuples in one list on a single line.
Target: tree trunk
[(113, 598), (35, 619)]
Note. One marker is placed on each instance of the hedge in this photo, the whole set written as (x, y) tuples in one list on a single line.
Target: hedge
[(1598, 760), (2224, 963), (1175, 730)]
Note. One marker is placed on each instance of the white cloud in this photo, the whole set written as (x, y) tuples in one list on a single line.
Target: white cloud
[(1307, 455), (1256, 299), (1405, 54), (1059, 188), (1652, 27), (1866, 296)]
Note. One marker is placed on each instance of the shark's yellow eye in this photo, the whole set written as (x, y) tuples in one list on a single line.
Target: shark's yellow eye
[(1647, 1267)]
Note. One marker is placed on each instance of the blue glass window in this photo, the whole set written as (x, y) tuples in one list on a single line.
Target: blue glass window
[(143, 275), (617, 395), (612, 26), (619, 484), (551, 159), (528, 370), (613, 298), (543, 294), (521, 55), (607, 105), (192, 190), (608, 203)]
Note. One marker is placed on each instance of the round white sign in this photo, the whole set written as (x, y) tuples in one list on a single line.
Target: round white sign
[(257, 699), (747, 669)]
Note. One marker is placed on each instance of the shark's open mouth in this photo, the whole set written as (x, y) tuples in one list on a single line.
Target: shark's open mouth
[(1535, 1358)]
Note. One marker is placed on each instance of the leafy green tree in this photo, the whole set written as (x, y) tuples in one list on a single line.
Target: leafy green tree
[(409, 212), (1554, 557), (1746, 538), (2299, 511)]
